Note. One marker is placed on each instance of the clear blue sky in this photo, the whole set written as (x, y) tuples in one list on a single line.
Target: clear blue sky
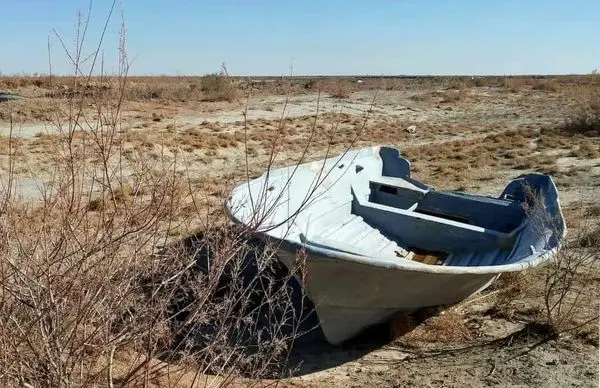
[(264, 37)]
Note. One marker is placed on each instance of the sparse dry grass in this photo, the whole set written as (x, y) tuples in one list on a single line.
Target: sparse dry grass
[(158, 89), (459, 160), (43, 110), (448, 327), (510, 288), (588, 150)]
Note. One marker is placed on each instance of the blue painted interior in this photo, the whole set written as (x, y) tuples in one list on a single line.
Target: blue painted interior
[(469, 209), (490, 213), (427, 232), (442, 221)]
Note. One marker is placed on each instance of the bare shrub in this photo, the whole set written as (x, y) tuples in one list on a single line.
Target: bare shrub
[(457, 83), (569, 304), (453, 96), (547, 85), (79, 286), (513, 84), (336, 88), (593, 211), (163, 89), (68, 267), (96, 289), (236, 313), (92, 275), (217, 87), (479, 82), (585, 120), (341, 94)]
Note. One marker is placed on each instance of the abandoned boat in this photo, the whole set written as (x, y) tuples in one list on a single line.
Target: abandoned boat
[(376, 242)]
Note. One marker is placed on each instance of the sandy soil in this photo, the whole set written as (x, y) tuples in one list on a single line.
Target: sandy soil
[(474, 142)]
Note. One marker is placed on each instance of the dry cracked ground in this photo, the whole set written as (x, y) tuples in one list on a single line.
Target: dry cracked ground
[(466, 137)]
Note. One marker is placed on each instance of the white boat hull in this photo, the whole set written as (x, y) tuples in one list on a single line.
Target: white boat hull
[(351, 296)]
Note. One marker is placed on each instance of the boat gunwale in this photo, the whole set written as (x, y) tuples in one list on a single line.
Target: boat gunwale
[(406, 265)]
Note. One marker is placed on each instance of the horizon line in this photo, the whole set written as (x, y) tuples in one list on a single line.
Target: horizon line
[(288, 76)]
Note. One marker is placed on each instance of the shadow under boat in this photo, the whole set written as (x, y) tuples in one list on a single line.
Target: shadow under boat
[(310, 352)]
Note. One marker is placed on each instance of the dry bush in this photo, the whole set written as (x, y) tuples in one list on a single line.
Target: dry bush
[(80, 285), (568, 295), (588, 150), (548, 85), (91, 275), (480, 82), (570, 306), (487, 81), (586, 119), (550, 140), (457, 83), (21, 82), (589, 238), (79, 89), (340, 93), (96, 290), (336, 88), (560, 296), (163, 89), (452, 96), (593, 211), (22, 110), (217, 87), (513, 84)]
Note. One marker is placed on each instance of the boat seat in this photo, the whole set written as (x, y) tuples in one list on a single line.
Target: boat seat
[(423, 230), (398, 183), (396, 190)]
